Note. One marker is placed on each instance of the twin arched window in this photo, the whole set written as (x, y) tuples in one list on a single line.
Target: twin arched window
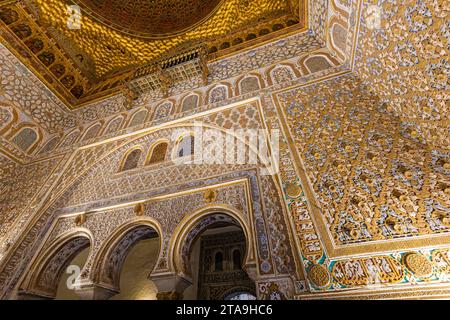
[(132, 158), (158, 153)]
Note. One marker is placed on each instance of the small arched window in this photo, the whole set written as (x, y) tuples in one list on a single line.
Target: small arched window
[(190, 103), (218, 262), (237, 264), (25, 138), (70, 138), (163, 111), (186, 146), (132, 160), (158, 153)]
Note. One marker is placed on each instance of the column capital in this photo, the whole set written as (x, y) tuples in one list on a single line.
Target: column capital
[(170, 286)]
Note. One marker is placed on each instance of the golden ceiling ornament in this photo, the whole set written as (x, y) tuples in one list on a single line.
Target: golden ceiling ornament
[(319, 276), (139, 209), (210, 195), (418, 264), (150, 19), (352, 230), (293, 190), (92, 59), (80, 219), (112, 50)]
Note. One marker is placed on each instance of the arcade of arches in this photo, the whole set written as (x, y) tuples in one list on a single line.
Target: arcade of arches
[(102, 192)]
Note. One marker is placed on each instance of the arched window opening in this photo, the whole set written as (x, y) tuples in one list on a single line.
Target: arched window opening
[(237, 260), (158, 153), (131, 160), (218, 262), (317, 63), (218, 94), (128, 262), (114, 125), (186, 147)]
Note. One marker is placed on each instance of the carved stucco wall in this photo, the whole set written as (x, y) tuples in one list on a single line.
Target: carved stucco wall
[(92, 190), (19, 186), (321, 112), (168, 214), (405, 61), (364, 179), (366, 170), (356, 157), (363, 153)]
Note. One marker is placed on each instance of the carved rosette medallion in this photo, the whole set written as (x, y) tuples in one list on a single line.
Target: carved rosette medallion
[(293, 190), (418, 264), (210, 196), (319, 276)]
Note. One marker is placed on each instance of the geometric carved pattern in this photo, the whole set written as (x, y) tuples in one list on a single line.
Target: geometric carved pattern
[(150, 18), (367, 169), (405, 62)]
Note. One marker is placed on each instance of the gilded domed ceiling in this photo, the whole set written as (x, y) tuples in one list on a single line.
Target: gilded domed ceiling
[(150, 18), (116, 37)]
